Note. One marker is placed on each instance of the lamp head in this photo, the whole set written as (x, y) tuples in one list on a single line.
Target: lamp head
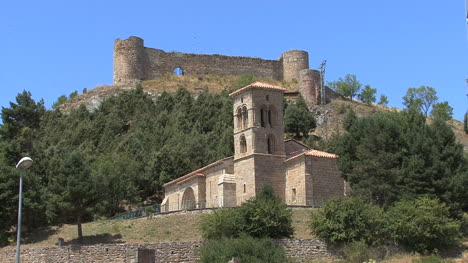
[(24, 163)]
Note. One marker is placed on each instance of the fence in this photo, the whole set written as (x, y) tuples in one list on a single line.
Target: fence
[(139, 212)]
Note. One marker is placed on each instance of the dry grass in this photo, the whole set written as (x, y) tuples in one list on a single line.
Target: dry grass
[(172, 227), (194, 84)]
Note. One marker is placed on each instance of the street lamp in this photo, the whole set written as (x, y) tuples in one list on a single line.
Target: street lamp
[(24, 163)]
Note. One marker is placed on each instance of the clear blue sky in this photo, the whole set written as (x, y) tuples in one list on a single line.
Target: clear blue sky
[(55, 47)]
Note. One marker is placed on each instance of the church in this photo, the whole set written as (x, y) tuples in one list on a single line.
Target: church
[(299, 175)]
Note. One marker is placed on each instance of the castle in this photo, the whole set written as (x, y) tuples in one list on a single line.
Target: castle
[(299, 175), (133, 63)]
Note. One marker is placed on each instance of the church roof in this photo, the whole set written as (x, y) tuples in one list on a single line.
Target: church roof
[(258, 84), (196, 173), (315, 153)]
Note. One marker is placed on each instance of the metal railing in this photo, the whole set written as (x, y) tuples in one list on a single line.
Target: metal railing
[(140, 212)]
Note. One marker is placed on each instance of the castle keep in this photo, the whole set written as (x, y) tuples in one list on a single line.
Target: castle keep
[(299, 175), (133, 62)]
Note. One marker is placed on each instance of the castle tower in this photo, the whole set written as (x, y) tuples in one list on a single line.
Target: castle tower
[(129, 61), (293, 62), (310, 86), (258, 140)]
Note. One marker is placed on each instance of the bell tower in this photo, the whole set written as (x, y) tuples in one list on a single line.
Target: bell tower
[(258, 139)]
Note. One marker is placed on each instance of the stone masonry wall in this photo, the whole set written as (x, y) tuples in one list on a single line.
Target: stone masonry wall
[(327, 182), (299, 249), (161, 63)]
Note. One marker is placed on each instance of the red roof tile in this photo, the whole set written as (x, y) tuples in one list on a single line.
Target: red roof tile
[(258, 84), (195, 173), (315, 153), (320, 154)]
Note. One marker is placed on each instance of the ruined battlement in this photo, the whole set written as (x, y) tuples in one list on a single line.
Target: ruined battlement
[(133, 63)]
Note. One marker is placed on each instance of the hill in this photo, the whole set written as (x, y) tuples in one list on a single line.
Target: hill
[(329, 117), (165, 228)]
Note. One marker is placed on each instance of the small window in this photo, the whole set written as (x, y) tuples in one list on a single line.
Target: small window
[(243, 144), (293, 194), (270, 144), (262, 121), (178, 72), (269, 118), (242, 99), (239, 118), (267, 97), (245, 117), (245, 188)]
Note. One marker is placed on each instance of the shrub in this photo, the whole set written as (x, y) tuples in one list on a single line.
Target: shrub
[(348, 220), (224, 223), (265, 216), (422, 225), (246, 248)]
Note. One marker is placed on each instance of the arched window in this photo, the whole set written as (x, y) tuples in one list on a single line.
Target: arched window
[(271, 144), (263, 113), (271, 116), (245, 116), (239, 118), (243, 144), (178, 72)]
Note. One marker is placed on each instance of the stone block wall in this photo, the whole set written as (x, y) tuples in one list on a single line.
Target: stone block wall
[(299, 249), (326, 182), (295, 192)]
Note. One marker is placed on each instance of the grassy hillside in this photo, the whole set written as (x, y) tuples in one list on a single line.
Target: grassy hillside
[(172, 227), (330, 116)]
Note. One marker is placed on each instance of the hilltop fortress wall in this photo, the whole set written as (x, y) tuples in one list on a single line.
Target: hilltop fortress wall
[(133, 62)]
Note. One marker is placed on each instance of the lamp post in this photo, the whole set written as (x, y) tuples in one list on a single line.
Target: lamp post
[(24, 163)]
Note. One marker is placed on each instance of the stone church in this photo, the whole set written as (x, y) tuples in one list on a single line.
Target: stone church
[(299, 175)]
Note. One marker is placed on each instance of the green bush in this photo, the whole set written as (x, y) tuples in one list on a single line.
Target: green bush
[(265, 216), (422, 225), (246, 248), (348, 220), (224, 223)]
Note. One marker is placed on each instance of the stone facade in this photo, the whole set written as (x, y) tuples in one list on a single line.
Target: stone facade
[(300, 249), (133, 62), (299, 176)]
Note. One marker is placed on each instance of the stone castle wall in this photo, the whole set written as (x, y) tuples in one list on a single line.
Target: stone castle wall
[(300, 249), (133, 63)]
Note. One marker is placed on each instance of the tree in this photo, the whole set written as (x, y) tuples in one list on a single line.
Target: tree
[(265, 216), (348, 220), (349, 119), (298, 119), (442, 110), (422, 225), (391, 156), (348, 87), (73, 193), (116, 174), (422, 98), (383, 100), (60, 100), (25, 113), (367, 95)]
